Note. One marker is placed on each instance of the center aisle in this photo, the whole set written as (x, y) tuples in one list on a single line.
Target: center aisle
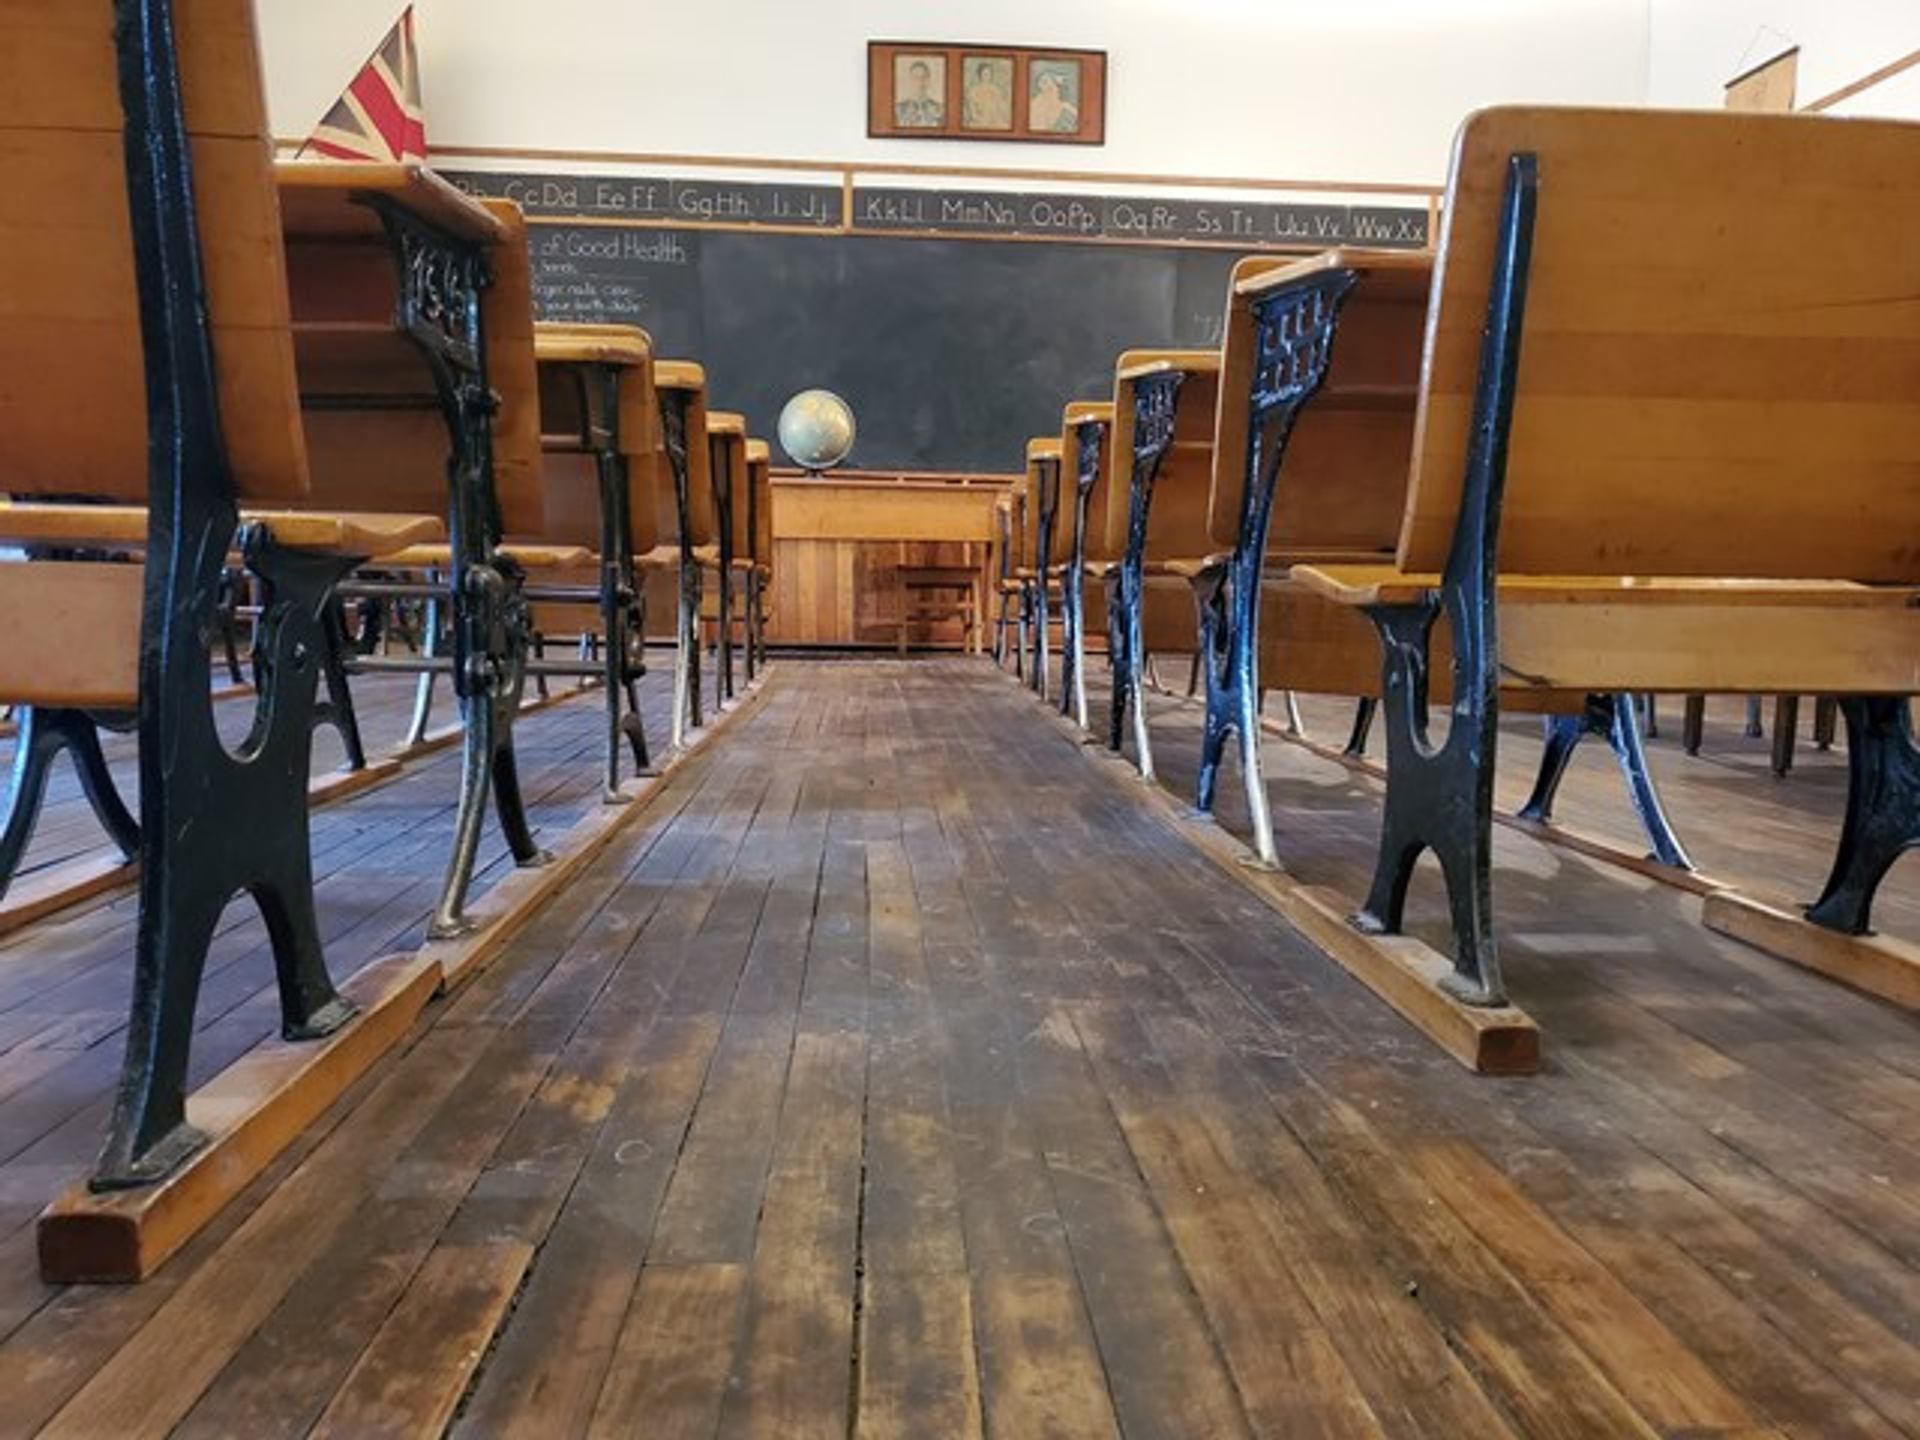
[(898, 1073)]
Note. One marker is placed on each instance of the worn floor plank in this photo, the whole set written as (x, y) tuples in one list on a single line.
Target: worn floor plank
[(900, 1075)]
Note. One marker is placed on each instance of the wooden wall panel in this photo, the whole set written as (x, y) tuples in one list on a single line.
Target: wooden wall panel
[(848, 592), (839, 545)]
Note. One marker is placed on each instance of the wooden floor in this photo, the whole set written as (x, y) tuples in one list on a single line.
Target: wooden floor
[(897, 1073)]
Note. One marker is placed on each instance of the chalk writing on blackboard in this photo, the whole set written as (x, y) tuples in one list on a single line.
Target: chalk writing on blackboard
[(896, 210)]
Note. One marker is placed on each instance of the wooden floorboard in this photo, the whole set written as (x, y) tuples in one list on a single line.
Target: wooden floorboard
[(900, 1074)]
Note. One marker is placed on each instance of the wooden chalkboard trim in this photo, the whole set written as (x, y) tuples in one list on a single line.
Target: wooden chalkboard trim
[(1865, 82), (839, 168), (637, 222)]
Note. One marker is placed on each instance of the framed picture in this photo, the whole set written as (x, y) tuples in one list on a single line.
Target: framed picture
[(986, 92), (1055, 93), (928, 90), (920, 90)]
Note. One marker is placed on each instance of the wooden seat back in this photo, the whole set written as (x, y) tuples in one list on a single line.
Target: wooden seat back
[(1343, 486), (688, 380), (727, 437), (760, 500), (1721, 352), (1043, 499), (344, 287), (73, 417), (1177, 521), (1018, 499), (1080, 422), (571, 358)]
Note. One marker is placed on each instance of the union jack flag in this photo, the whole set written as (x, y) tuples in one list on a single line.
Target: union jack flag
[(379, 116)]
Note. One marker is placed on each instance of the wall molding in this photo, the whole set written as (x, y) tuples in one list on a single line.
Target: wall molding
[(1865, 82)]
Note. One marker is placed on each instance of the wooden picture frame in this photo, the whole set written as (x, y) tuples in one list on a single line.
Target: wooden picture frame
[(927, 90)]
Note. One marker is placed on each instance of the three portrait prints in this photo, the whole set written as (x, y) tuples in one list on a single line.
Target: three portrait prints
[(985, 92)]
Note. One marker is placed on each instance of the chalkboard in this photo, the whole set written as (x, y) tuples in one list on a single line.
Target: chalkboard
[(951, 352)]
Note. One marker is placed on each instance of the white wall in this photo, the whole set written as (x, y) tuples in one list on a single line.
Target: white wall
[(1696, 46), (1342, 90)]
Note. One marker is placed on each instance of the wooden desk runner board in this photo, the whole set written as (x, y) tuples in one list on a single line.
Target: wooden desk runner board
[(1401, 970), (58, 887), (504, 910), (250, 1112), (41, 893), (1553, 832), (1877, 964), (253, 1109), (449, 734)]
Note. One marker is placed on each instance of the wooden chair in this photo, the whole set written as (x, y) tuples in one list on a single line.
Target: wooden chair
[(694, 524), (390, 367), (1011, 613), (732, 489), (1636, 361), (759, 570), (1158, 533), (1049, 551), (150, 360), (1084, 428), (599, 423)]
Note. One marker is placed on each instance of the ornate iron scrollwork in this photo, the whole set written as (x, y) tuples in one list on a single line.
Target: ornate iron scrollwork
[(1441, 798), (1156, 401), (1294, 331), (686, 670), (1090, 443)]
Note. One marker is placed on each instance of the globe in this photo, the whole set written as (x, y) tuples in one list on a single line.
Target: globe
[(816, 429)]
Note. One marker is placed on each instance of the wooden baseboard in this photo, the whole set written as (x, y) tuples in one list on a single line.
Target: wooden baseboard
[(340, 784), (1406, 973), (1877, 964), (59, 887), (505, 909), (250, 1111), (1694, 882), (46, 892), (253, 1109), (443, 736), (1401, 970)]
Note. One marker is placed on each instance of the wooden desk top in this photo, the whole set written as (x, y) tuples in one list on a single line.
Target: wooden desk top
[(604, 345), (320, 199), (678, 375), (852, 510), (1137, 364), (1409, 269)]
